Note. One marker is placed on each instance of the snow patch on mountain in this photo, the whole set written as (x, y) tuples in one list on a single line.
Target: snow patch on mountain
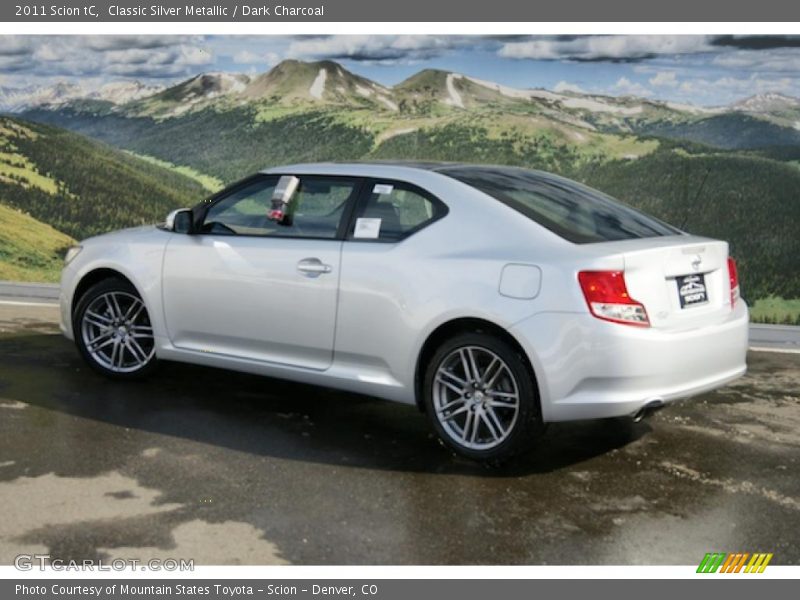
[(364, 91), (389, 104), (387, 135), (120, 92), (19, 99), (454, 98), (235, 83), (515, 93), (318, 86), (215, 84), (766, 103), (691, 108), (593, 105)]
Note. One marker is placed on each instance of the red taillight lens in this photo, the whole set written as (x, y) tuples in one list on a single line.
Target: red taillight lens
[(608, 298), (733, 276)]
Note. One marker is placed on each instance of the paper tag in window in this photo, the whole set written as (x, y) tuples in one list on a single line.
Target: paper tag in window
[(367, 229), (382, 188)]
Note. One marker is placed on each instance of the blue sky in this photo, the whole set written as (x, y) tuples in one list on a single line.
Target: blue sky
[(707, 70)]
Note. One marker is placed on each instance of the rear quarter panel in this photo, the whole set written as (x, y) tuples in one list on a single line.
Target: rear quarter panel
[(392, 296)]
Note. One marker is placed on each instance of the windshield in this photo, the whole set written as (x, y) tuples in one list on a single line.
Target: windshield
[(575, 212)]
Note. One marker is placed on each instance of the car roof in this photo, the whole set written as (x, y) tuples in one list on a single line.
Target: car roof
[(384, 168), (416, 165)]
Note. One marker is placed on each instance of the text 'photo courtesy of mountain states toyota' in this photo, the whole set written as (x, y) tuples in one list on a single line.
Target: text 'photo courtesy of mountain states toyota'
[(496, 299)]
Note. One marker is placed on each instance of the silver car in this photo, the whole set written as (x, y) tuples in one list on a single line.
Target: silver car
[(496, 299)]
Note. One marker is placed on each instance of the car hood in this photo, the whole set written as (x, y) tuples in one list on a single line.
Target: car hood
[(131, 234)]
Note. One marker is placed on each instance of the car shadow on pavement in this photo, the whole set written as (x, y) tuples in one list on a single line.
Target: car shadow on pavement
[(266, 417)]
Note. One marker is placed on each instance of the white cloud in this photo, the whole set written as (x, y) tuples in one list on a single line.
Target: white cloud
[(665, 79), (754, 84), (565, 86), (730, 88), (102, 56), (194, 55), (375, 47), (12, 45), (135, 56), (248, 57), (15, 63), (626, 87), (605, 47), (48, 53), (778, 60), (103, 43)]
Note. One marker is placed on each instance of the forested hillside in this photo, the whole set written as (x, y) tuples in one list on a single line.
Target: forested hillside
[(226, 144), (56, 186), (726, 131), (90, 187)]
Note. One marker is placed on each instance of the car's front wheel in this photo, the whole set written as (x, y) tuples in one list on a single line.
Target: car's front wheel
[(113, 331), (481, 397)]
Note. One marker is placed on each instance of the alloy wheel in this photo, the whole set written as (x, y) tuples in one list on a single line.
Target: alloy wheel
[(476, 398), (117, 333)]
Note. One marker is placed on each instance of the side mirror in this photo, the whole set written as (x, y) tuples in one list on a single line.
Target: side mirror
[(179, 221)]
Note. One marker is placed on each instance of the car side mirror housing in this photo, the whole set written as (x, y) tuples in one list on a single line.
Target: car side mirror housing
[(180, 221)]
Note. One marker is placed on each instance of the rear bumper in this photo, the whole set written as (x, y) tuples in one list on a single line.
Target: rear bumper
[(588, 369)]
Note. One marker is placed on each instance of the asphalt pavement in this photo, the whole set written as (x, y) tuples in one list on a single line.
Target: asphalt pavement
[(225, 468)]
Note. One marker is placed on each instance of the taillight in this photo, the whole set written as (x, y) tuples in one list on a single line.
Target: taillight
[(733, 276), (608, 298)]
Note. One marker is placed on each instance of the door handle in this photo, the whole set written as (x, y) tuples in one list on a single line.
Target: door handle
[(313, 267)]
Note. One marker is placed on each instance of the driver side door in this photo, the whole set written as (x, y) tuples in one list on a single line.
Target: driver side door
[(245, 286)]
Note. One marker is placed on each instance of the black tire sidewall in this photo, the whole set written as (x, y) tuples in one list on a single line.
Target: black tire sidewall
[(529, 420), (104, 287)]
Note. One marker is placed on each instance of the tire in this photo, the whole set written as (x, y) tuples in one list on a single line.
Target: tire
[(503, 401), (113, 332)]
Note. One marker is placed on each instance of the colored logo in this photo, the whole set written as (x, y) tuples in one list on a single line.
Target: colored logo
[(737, 562)]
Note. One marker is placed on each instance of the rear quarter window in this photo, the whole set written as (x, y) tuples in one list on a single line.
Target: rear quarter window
[(399, 208), (573, 211)]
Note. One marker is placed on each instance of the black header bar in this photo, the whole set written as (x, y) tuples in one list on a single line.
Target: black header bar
[(443, 11)]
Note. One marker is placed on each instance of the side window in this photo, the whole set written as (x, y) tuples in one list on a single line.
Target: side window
[(315, 210), (394, 210)]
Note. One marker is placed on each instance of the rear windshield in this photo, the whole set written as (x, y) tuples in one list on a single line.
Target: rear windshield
[(573, 211)]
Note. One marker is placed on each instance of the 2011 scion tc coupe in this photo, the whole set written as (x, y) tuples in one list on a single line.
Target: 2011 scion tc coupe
[(497, 299)]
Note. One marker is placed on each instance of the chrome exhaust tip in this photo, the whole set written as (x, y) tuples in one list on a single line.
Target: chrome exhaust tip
[(647, 410)]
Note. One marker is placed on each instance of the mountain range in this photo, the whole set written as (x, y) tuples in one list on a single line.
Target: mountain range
[(15, 100), (328, 84), (767, 119)]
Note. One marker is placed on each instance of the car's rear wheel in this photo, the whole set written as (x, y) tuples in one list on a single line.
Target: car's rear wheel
[(113, 331), (481, 397)]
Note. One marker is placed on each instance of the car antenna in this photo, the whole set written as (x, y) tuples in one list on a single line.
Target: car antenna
[(695, 199)]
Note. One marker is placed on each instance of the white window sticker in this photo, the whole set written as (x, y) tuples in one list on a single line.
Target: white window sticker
[(382, 188), (368, 229)]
